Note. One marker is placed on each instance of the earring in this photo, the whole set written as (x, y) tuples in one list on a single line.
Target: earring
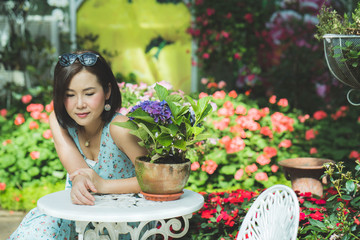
[(107, 107)]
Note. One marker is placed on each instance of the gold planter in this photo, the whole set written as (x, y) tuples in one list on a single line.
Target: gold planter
[(162, 181)]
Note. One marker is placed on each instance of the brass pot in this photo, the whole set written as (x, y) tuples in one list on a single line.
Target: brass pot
[(162, 178), (305, 174)]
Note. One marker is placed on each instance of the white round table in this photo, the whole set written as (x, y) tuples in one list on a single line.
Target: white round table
[(113, 211)]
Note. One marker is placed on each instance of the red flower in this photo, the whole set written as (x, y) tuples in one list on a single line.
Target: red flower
[(241, 110), (212, 85), (235, 145), (228, 16), (49, 107), (274, 168), (317, 216), (239, 173), (219, 94), (266, 131), (251, 168), (354, 154)]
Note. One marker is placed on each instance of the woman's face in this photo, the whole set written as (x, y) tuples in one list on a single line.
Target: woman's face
[(85, 99)]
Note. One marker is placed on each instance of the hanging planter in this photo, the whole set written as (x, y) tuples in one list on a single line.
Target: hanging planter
[(342, 54)]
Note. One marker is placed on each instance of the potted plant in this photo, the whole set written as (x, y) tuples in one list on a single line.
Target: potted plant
[(341, 36), (167, 128)]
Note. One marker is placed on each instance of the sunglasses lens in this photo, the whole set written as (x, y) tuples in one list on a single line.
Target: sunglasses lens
[(67, 59), (88, 59)]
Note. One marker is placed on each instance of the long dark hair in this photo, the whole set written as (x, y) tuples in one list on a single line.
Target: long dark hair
[(105, 76)]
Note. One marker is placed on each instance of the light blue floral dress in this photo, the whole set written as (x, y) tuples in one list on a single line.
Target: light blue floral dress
[(112, 164)]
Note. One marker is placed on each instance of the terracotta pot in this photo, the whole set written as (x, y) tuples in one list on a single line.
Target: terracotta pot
[(163, 179), (305, 174)]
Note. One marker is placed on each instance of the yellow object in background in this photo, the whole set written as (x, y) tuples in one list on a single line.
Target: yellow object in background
[(130, 26)]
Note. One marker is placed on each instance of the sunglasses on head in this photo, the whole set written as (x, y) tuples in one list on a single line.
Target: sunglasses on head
[(86, 59)]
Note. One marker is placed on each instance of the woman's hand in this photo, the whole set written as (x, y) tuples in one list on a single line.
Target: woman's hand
[(84, 181)]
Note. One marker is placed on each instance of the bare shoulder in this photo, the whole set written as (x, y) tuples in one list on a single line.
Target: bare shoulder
[(117, 131), (120, 118)]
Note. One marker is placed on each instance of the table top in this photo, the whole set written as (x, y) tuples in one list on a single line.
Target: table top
[(119, 207)]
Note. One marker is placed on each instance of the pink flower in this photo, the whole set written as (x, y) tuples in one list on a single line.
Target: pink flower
[(222, 84), (237, 56), (249, 17), (270, 152), (302, 119), (261, 176), (225, 34), (310, 134), (219, 94), (236, 144), (47, 134), (35, 107), (272, 99), (354, 154), (3, 112), (204, 80), (26, 99), (285, 143), (209, 166), (274, 168), (19, 119), (195, 166), (313, 150), (202, 95), (35, 115), (222, 124), (283, 102), (33, 125), (49, 107), (251, 168), (34, 155), (241, 110), (239, 173), (225, 140), (228, 16), (210, 11), (263, 160), (6, 142), (266, 131), (206, 56), (2, 186), (318, 115)]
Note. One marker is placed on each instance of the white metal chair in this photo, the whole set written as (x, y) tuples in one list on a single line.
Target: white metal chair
[(273, 216)]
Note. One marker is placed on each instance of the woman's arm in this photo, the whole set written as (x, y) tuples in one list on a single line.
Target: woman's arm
[(127, 143), (72, 160)]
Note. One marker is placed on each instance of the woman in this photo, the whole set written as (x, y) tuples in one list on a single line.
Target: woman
[(98, 156)]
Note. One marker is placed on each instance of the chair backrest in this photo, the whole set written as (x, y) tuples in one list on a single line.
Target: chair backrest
[(273, 216)]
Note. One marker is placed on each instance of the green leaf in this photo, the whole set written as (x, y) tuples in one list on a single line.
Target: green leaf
[(180, 144), (350, 186), (140, 114), (161, 92), (317, 223), (128, 124), (165, 139), (228, 170)]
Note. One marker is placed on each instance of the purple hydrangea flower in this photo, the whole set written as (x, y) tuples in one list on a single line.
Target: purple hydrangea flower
[(159, 111)]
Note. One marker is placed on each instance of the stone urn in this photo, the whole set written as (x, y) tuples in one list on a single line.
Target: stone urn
[(162, 181), (305, 174)]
